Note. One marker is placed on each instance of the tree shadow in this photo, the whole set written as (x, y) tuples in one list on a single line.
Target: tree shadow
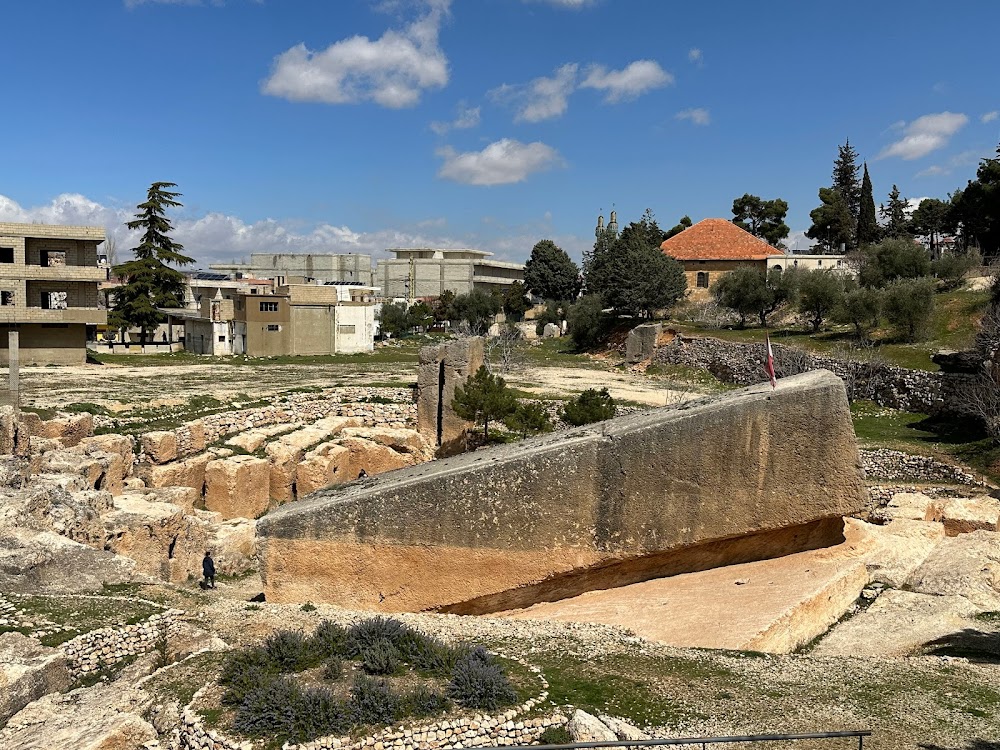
[(982, 647)]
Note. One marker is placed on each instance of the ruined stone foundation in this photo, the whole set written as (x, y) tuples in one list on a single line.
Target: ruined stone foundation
[(748, 475)]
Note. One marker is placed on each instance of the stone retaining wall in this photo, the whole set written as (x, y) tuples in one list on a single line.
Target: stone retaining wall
[(887, 385), (893, 466), (105, 647), (506, 729)]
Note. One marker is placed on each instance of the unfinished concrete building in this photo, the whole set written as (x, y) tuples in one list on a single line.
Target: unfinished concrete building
[(299, 268), (49, 281), (421, 273)]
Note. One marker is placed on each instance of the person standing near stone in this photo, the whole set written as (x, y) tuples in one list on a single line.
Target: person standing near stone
[(208, 569)]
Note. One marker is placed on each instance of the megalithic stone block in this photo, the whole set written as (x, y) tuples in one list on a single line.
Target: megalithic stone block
[(747, 475), (442, 369)]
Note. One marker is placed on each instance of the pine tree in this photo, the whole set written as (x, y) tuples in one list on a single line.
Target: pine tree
[(484, 398), (845, 178), (148, 282), (550, 273), (896, 216), (832, 225), (764, 219), (868, 229)]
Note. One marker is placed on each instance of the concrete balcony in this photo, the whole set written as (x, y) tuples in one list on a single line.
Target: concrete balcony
[(86, 315), (52, 273)]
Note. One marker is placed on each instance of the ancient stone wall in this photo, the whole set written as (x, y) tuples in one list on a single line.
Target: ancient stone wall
[(893, 466), (102, 648), (613, 503), (894, 387)]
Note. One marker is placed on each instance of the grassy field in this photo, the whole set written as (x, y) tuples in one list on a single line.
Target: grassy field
[(879, 427), (952, 326)]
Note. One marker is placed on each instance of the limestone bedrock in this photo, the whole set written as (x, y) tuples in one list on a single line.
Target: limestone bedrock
[(660, 492)]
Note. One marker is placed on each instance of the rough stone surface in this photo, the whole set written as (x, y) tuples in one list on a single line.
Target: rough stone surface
[(326, 464), (189, 472), (28, 670), (234, 546), (641, 344), (897, 549), (622, 729), (966, 565), (68, 429), (160, 446), (584, 727), (105, 717), (373, 458), (164, 541), (47, 563), (962, 515), (553, 516), (443, 368), (898, 623), (551, 331), (237, 487)]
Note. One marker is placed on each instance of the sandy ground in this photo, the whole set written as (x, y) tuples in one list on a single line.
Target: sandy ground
[(627, 386)]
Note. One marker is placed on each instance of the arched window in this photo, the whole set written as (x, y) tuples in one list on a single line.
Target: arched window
[(777, 268), (703, 279)]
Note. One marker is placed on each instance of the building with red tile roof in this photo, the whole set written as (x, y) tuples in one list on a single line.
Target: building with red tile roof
[(712, 248)]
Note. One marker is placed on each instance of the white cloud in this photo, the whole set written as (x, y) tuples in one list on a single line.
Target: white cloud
[(541, 99), (218, 237), (697, 115), (628, 83), (989, 116), (933, 171), (962, 159), (467, 117), (392, 70), (924, 135), (695, 56), (501, 163)]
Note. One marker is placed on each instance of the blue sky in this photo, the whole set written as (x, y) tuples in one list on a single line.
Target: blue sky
[(356, 125)]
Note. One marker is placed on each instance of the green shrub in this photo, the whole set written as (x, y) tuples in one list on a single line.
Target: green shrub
[(242, 672), (431, 656), (422, 701), (478, 682), (380, 658), (318, 713), (529, 417), (588, 323), (333, 669), (308, 607), (330, 639), (367, 633), (290, 651), (372, 701), (908, 305), (555, 736), (269, 708), (590, 406)]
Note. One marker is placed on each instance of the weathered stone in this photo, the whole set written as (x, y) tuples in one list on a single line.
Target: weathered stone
[(234, 546), (584, 727), (327, 464), (622, 729), (188, 472), (237, 487), (160, 446), (118, 444), (185, 498), (284, 461), (104, 717), (442, 369), (551, 331), (641, 343), (28, 670), (966, 565), (45, 562), (102, 471), (961, 515), (164, 542), (911, 506), (894, 551), (897, 624), (553, 516), (368, 458), (69, 429), (401, 441)]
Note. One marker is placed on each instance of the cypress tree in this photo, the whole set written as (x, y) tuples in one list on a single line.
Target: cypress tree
[(845, 178), (868, 229)]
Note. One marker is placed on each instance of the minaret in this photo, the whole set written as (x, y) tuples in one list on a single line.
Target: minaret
[(600, 226), (613, 223)]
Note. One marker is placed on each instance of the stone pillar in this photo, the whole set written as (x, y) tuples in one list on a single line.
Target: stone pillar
[(642, 342), (442, 369), (13, 366)]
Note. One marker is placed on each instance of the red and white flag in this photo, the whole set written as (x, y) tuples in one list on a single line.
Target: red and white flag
[(769, 365)]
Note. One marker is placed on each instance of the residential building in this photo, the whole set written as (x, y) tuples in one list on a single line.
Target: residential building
[(49, 281), (303, 268), (836, 263), (420, 273), (296, 319), (712, 248)]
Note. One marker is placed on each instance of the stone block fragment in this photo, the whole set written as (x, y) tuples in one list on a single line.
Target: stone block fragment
[(237, 487)]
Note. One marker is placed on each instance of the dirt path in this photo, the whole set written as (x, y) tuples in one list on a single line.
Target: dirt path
[(627, 386)]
